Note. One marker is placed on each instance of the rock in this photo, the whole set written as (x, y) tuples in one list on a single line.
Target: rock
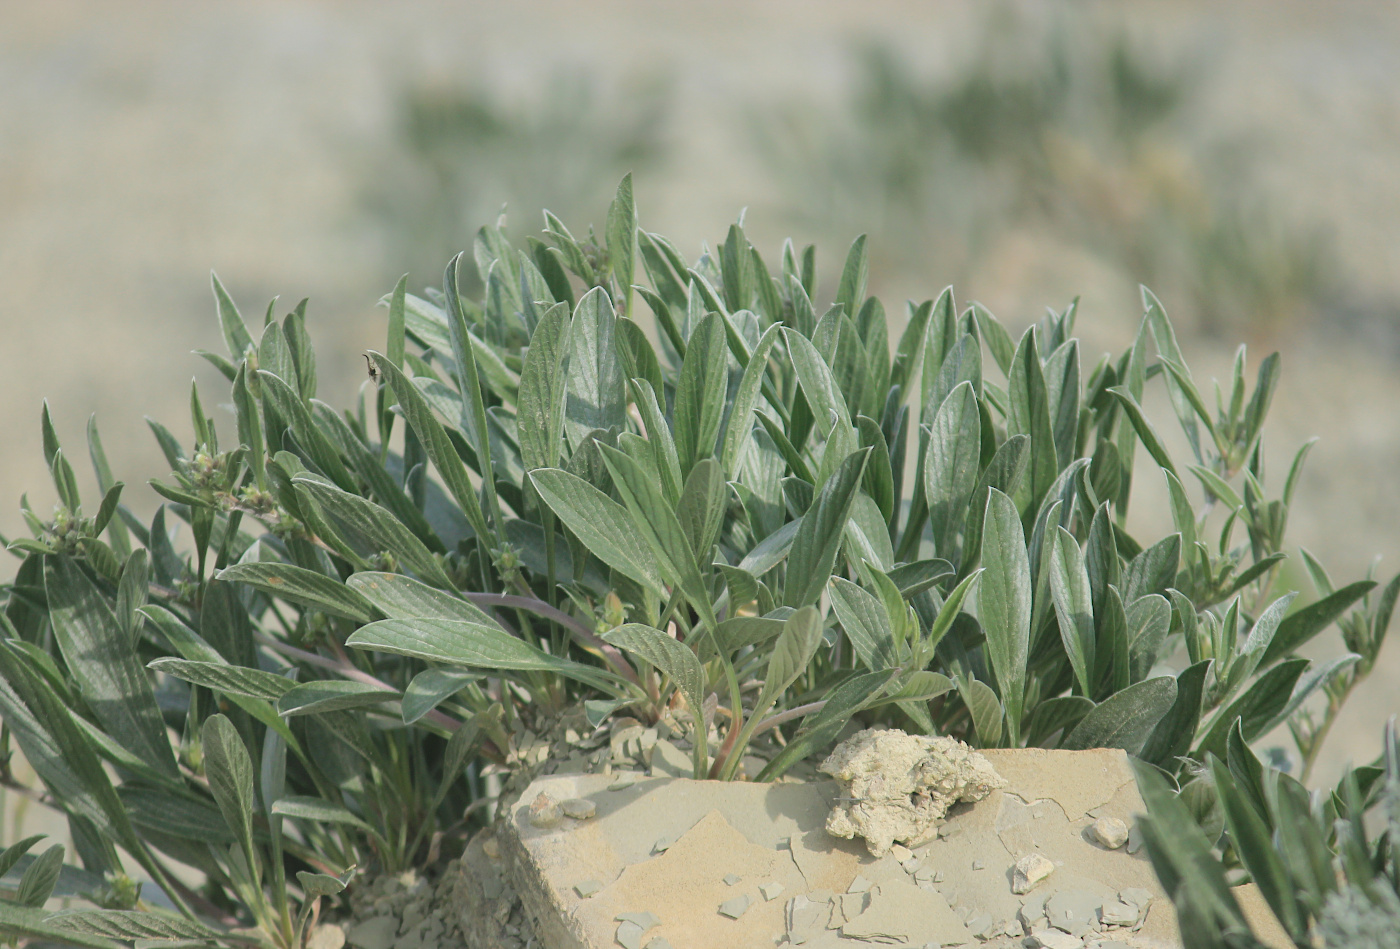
[(491, 847), (668, 761), (1120, 914), (658, 943), (770, 891), (1110, 832), (979, 925), (1138, 896), (326, 936), (376, 933), (903, 913), (803, 916), (629, 935), (734, 908), (579, 808), (859, 885), (644, 920), (544, 813), (1073, 911), (587, 888), (1054, 939), (898, 786), (1029, 871)]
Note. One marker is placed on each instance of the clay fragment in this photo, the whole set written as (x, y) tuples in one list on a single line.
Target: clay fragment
[(1110, 832), (732, 878), (1030, 870), (734, 908), (659, 943), (1073, 911), (629, 935), (896, 787), (1054, 939), (587, 888), (771, 891), (1120, 914)]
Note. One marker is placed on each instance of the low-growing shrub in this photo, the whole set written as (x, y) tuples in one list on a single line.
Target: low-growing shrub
[(760, 524)]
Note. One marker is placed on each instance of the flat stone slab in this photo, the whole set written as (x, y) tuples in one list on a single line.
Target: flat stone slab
[(829, 892)]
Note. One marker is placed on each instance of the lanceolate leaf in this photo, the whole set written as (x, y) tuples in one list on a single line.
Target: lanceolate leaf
[(474, 645), (230, 771), (540, 420), (951, 465), (596, 387), (1313, 619), (369, 528), (818, 537), (740, 424), (793, 651), (1004, 603), (1126, 719), (303, 587), (1074, 607), (700, 392), (332, 695), (867, 626), (603, 525), (224, 678), (98, 654)]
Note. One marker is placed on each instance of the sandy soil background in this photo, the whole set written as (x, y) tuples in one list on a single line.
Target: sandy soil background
[(142, 144)]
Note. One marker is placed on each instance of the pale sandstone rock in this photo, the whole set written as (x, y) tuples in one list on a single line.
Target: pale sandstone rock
[(898, 786), (1030, 870)]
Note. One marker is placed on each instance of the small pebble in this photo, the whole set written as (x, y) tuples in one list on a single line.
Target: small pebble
[(732, 878), (734, 908), (579, 808), (771, 891), (491, 847), (587, 888), (1110, 832), (977, 864), (901, 853)]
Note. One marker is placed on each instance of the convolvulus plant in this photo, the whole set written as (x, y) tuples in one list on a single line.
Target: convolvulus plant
[(759, 523)]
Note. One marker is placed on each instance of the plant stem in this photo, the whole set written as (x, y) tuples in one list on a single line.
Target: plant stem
[(581, 633)]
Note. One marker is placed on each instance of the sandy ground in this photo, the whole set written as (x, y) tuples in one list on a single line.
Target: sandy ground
[(143, 144)]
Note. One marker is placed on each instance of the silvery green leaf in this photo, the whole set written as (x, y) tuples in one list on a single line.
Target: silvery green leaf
[(951, 465), (1312, 619), (540, 414), (332, 695), (303, 587), (430, 688), (1004, 603), (37, 883), (401, 597), (792, 652), (1126, 718), (602, 524), (229, 769), (1069, 585), (225, 678), (127, 925), (317, 809), (107, 670), (866, 624), (596, 387), (818, 538)]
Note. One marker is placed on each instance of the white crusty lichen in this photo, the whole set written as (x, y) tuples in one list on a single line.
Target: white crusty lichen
[(897, 787)]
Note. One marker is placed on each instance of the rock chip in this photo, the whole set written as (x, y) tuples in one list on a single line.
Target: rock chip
[(544, 812), (1029, 871), (734, 908), (579, 808), (771, 891), (1054, 939), (587, 888), (1073, 911), (896, 787), (1110, 832), (326, 936), (376, 933)]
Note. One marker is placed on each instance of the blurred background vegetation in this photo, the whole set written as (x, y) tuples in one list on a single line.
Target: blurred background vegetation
[(1243, 160)]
